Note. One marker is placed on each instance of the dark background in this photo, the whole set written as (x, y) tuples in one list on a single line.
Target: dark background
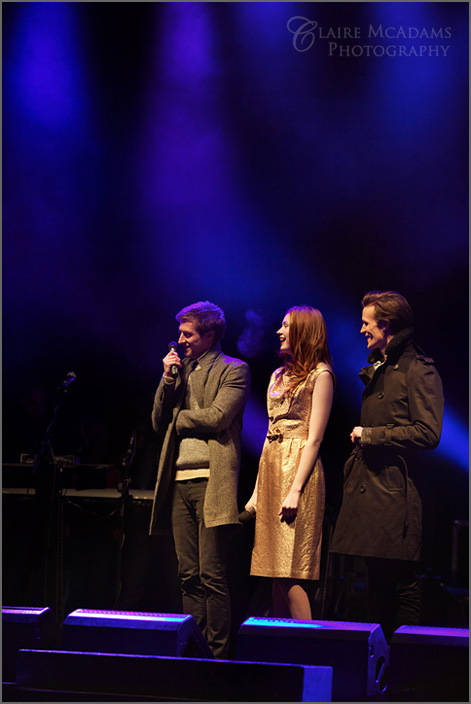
[(155, 154)]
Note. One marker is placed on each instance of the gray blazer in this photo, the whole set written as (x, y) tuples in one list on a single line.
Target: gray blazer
[(221, 388)]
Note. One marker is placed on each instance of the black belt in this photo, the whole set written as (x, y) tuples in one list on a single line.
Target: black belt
[(277, 436)]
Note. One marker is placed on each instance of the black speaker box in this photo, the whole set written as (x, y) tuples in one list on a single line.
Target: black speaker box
[(135, 633), (430, 660), (26, 627), (357, 652), (164, 678)]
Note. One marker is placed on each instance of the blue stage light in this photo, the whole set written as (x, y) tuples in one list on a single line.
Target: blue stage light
[(454, 442), (47, 75)]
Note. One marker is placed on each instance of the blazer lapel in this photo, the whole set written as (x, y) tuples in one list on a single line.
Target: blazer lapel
[(201, 381), (198, 383)]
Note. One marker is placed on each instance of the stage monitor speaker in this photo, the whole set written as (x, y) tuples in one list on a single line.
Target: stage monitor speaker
[(135, 633), (26, 627), (357, 652), (432, 661), (169, 678)]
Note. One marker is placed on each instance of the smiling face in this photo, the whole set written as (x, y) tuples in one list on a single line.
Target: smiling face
[(377, 332), (192, 343), (283, 333)]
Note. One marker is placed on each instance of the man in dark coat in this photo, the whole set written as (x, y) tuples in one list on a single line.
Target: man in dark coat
[(402, 413)]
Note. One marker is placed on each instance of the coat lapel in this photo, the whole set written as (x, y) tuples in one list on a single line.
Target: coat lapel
[(198, 382), (201, 382), (366, 374)]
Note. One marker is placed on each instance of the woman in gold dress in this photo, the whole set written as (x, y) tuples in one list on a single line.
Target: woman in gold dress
[(289, 492)]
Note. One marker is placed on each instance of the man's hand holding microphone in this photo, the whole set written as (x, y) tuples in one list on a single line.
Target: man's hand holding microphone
[(171, 361)]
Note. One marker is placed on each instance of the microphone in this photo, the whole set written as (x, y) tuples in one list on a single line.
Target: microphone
[(129, 456), (247, 515), (174, 368), (71, 376)]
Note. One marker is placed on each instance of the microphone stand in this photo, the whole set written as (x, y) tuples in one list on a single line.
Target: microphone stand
[(48, 489), (123, 487)]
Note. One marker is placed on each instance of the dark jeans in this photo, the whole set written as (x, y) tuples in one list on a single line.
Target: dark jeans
[(201, 554), (395, 593)]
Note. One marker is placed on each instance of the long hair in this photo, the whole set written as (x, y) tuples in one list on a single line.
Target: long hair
[(308, 342)]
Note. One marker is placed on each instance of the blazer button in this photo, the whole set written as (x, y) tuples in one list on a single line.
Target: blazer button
[(380, 395), (396, 366), (357, 457), (363, 488)]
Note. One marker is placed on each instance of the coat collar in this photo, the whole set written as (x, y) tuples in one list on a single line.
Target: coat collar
[(202, 368), (393, 351), (395, 347), (205, 360)]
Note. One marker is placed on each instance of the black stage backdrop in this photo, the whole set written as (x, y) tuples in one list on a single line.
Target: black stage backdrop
[(259, 155)]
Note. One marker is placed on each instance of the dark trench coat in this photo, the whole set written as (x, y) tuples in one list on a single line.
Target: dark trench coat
[(402, 415)]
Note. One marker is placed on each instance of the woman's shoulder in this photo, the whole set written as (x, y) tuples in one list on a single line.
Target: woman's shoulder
[(310, 380), (322, 367), (275, 374), (319, 369), (275, 385)]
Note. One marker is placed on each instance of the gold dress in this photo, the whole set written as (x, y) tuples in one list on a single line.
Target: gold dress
[(280, 549)]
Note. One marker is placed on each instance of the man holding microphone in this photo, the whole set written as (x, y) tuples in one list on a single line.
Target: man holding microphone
[(198, 409)]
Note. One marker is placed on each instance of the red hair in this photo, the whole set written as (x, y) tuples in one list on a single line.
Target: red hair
[(308, 342)]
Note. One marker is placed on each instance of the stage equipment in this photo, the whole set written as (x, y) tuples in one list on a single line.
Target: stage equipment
[(166, 678), (460, 552), (48, 478), (134, 633), (430, 660), (26, 627), (357, 652)]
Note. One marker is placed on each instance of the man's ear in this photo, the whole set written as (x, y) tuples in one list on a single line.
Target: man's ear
[(210, 335), (385, 326)]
